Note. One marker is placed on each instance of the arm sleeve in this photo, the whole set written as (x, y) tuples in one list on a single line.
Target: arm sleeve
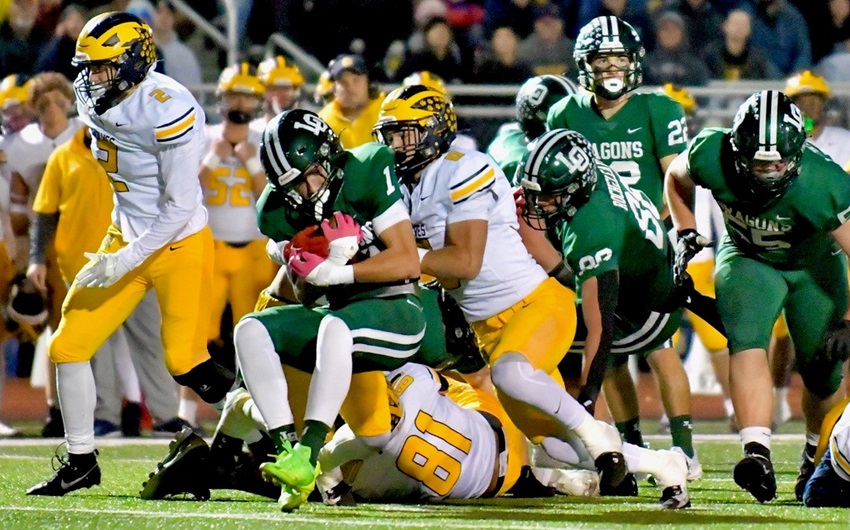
[(179, 166), (42, 232), (608, 287)]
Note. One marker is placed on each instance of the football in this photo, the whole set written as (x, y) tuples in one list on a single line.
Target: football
[(311, 240)]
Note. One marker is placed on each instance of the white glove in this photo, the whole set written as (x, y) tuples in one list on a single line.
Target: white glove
[(340, 251), (275, 251), (102, 270), (319, 271)]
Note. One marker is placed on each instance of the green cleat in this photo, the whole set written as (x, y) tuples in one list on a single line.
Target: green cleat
[(294, 473)]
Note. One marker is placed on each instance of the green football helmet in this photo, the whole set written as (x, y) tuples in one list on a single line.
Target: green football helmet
[(768, 137), (293, 142), (609, 35), (534, 99), (558, 175)]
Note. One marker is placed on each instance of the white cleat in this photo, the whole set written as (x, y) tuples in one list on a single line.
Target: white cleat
[(694, 467), (6, 431), (604, 439), (672, 478), (575, 482)]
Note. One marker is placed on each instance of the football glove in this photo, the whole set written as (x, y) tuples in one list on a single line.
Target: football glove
[(688, 245), (836, 347), (343, 239), (102, 270), (320, 271)]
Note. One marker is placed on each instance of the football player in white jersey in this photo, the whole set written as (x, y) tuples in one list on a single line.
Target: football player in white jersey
[(811, 93), (149, 137), (232, 178), (465, 221)]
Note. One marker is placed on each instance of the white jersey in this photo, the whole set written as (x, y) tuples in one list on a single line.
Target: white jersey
[(835, 142), (151, 144), (463, 185), (437, 450), (229, 198), (29, 149), (709, 219)]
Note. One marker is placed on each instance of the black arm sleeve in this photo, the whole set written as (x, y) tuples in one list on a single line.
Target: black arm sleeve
[(608, 285), (42, 232)]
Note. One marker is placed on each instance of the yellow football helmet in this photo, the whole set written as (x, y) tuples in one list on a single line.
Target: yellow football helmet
[(240, 78), (277, 71), (682, 97), (428, 79), (14, 90), (118, 39), (424, 119), (324, 91), (807, 82)]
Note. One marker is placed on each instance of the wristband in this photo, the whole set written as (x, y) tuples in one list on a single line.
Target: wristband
[(211, 161), (254, 165)]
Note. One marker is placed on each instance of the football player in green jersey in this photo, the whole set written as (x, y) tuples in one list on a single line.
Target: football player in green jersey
[(785, 206), (533, 101), (374, 320), (610, 234), (637, 135)]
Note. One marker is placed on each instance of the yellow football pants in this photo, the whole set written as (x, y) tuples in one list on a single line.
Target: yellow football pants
[(239, 275), (180, 273), (702, 274)]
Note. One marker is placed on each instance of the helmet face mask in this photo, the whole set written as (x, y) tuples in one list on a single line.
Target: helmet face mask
[(558, 176), (767, 140), (115, 51), (240, 93), (534, 99), (419, 124), (609, 55), (301, 156)]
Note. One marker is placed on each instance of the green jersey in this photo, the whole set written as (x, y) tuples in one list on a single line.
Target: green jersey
[(369, 193), (647, 128), (795, 231), (619, 229), (507, 150)]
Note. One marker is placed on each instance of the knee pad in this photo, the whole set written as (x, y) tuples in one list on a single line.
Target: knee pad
[(510, 368), (209, 379)]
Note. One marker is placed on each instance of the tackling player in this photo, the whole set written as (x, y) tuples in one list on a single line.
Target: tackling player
[(785, 206), (148, 136)]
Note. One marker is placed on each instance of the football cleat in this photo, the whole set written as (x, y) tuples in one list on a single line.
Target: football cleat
[(694, 467), (575, 482), (68, 477), (183, 470), (807, 469), (294, 473), (627, 488), (754, 473), (672, 478)]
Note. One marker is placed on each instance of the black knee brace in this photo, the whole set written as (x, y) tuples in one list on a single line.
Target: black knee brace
[(209, 379)]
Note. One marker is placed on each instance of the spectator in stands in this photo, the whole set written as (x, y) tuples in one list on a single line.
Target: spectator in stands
[(178, 60), (835, 67), (839, 29), (441, 54), (547, 50), (673, 60), (702, 21), (736, 57), (518, 14), (779, 27), (20, 38), (57, 52), (498, 62), (632, 11), (356, 101)]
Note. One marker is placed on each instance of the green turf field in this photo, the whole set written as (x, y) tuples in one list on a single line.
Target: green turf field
[(717, 501)]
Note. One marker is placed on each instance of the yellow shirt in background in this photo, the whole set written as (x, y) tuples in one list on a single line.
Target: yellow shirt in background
[(76, 186), (356, 132)]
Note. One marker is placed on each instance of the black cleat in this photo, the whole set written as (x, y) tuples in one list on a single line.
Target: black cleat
[(183, 470), (612, 470), (754, 473), (243, 474), (675, 498), (627, 488), (69, 477), (528, 487), (807, 469)]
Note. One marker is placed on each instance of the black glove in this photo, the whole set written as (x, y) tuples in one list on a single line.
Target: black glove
[(587, 399), (688, 245), (836, 346)]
